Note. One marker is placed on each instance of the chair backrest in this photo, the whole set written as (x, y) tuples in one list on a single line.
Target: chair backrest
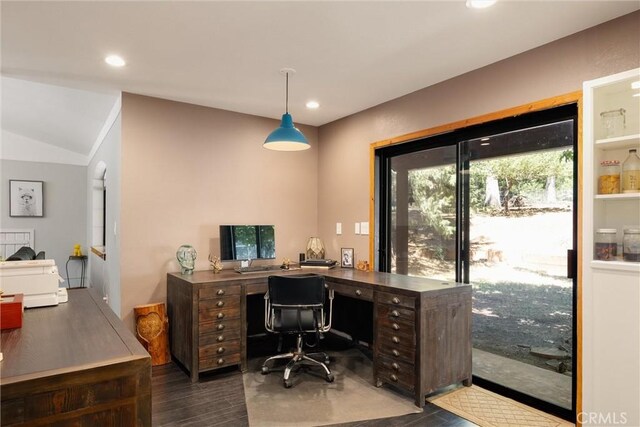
[(304, 289)]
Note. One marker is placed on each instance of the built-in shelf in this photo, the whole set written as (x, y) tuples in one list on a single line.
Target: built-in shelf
[(616, 265), (100, 251), (627, 141), (619, 196)]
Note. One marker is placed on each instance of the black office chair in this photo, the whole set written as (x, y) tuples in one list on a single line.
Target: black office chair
[(295, 305)]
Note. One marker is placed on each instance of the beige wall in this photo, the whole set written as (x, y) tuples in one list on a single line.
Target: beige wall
[(187, 169), (554, 69)]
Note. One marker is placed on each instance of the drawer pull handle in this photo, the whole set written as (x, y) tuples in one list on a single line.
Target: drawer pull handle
[(220, 338), (220, 327), (395, 313), (220, 315), (396, 353), (396, 300), (220, 304), (220, 292), (395, 340), (220, 361), (394, 377), (358, 292), (395, 366), (221, 350), (395, 326)]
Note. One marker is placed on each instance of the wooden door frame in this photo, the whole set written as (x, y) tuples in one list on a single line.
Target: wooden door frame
[(544, 104)]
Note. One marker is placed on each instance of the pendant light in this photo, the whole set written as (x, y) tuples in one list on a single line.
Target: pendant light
[(286, 137)]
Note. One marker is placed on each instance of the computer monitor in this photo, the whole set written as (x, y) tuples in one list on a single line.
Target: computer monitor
[(239, 242)]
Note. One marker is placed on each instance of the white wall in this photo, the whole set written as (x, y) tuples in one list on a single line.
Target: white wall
[(105, 274), (64, 222)]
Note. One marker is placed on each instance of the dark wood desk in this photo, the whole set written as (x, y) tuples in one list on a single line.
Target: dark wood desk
[(421, 327), (74, 364)]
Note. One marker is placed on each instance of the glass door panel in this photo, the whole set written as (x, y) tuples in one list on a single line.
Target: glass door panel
[(520, 227), (422, 217)]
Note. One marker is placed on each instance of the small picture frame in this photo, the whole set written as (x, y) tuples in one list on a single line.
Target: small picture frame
[(346, 257), (25, 198)]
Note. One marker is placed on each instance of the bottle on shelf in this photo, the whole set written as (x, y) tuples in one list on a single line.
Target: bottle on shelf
[(609, 177), (631, 173), (606, 247), (631, 244), (613, 122)]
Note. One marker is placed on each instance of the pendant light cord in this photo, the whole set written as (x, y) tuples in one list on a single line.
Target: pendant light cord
[(286, 106)]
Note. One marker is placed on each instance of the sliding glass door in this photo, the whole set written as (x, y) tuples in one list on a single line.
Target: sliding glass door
[(494, 206)]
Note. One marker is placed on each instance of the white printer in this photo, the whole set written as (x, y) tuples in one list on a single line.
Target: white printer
[(37, 280)]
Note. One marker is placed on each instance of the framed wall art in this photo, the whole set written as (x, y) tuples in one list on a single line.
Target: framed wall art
[(25, 198)]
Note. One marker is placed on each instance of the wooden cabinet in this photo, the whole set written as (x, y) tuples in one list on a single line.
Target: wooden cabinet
[(421, 327), (74, 364)]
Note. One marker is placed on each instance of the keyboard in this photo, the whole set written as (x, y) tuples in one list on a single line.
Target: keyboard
[(256, 269), (318, 263)]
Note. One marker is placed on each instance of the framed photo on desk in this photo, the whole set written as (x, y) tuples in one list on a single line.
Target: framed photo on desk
[(346, 257)]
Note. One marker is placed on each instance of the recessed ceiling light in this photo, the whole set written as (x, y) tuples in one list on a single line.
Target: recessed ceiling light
[(115, 61), (635, 85), (485, 139), (480, 4), (312, 105)]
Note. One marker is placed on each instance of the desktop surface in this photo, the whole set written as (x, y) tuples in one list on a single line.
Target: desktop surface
[(340, 275)]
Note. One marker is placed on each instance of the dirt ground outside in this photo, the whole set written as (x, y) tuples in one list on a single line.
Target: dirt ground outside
[(522, 299)]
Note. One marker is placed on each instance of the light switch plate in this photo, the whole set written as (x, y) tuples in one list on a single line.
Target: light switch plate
[(364, 227), (338, 228), (357, 228)]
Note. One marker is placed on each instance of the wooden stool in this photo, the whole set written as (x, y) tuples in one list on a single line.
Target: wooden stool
[(152, 330)]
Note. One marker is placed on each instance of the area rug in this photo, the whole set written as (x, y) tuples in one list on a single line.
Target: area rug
[(312, 401), (488, 409)]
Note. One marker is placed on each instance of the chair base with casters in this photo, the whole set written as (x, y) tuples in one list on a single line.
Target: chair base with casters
[(298, 356), (294, 305)]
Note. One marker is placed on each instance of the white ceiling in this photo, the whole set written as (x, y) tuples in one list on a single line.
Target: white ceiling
[(349, 55)]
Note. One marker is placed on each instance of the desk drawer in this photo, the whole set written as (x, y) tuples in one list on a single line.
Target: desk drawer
[(224, 325), (396, 352), (394, 339), (211, 332), (223, 308), (359, 292), (215, 362), (396, 325), (215, 292), (396, 372), (221, 349), (396, 300), (395, 314)]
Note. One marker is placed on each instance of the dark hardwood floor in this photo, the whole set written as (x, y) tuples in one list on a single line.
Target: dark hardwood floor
[(218, 400)]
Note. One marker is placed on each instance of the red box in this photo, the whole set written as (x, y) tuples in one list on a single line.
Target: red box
[(11, 311)]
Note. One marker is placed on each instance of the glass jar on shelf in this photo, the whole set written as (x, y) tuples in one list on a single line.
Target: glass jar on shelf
[(631, 173), (606, 248), (631, 244), (609, 177), (613, 122)]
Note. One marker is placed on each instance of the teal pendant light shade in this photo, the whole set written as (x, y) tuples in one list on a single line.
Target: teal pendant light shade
[(287, 137)]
